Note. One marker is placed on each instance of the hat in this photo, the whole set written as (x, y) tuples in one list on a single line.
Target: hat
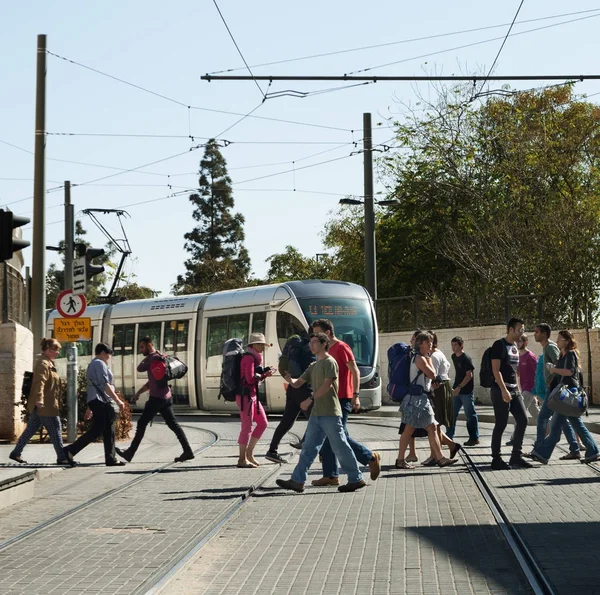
[(103, 348), (257, 338)]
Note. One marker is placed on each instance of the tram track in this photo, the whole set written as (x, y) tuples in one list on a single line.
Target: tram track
[(100, 497)]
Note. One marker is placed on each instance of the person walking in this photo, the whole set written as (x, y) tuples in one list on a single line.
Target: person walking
[(526, 377), (463, 392), (43, 404), (566, 372), (443, 406), (416, 408), (104, 404), (506, 397), (325, 420), (349, 397), (551, 354), (251, 409), (160, 401)]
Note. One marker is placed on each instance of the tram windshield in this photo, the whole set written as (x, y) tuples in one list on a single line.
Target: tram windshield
[(352, 320)]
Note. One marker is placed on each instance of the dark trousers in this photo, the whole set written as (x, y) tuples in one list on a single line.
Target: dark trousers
[(290, 413), (104, 422), (153, 406), (501, 411)]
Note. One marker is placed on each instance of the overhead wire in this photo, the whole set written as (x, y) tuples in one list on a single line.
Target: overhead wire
[(403, 41)]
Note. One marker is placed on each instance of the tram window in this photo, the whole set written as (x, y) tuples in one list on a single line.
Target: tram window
[(216, 335), (288, 325), (176, 335), (123, 337), (258, 322), (237, 326), (150, 329)]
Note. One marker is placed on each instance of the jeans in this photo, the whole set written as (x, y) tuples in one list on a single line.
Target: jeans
[(104, 422), (153, 406), (468, 402), (362, 453), (319, 428), (34, 423), (545, 449), (501, 411), (542, 425), (290, 413)]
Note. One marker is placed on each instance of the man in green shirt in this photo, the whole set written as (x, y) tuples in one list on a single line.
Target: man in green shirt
[(325, 420)]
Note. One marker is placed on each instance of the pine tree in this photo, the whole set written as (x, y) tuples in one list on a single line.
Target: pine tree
[(219, 259)]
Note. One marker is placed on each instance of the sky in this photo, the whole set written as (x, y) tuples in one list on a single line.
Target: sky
[(287, 177)]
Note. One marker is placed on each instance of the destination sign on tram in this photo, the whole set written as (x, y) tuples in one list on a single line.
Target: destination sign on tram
[(331, 310)]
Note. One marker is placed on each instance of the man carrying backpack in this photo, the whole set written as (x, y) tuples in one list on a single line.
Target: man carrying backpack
[(348, 394), (160, 401), (295, 359)]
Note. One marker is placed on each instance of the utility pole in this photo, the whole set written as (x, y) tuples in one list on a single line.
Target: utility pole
[(370, 255), (38, 282), (71, 348)]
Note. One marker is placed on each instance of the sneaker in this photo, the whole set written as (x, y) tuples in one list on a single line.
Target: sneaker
[(510, 442), (375, 466), (591, 459), (274, 457), (412, 458), (296, 445), (290, 484), (539, 459), (519, 463), (499, 465), (352, 486), (571, 456), (326, 481), (471, 442), (185, 456), (527, 455), (124, 454)]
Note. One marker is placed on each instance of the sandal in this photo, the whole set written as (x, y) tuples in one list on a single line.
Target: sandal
[(429, 462), (571, 456), (402, 464), (444, 462)]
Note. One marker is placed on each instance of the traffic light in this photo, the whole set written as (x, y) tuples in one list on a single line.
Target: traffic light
[(8, 244), (91, 269)]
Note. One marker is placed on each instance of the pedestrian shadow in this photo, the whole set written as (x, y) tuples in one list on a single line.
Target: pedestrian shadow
[(555, 481), (207, 491), (210, 494)]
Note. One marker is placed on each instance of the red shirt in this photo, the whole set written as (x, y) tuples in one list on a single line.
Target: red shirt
[(342, 354)]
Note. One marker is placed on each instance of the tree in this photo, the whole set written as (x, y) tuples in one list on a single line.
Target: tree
[(291, 265), (219, 259), (498, 196)]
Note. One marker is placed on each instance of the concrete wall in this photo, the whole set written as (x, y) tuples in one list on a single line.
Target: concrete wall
[(478, 339), (16, 356)]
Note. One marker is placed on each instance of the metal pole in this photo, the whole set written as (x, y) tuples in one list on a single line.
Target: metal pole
[(71, 348), (370, 257), (28, 297), (4, 293), (38, 282)]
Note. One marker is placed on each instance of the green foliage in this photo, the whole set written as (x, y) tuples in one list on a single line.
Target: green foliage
[(218, 259), (291, 265), (496, 197)]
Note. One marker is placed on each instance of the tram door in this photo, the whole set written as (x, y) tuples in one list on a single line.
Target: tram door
[(176, 344), (122, 361)]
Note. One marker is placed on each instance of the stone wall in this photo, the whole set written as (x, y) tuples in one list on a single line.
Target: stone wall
[(478, 339), (16, 356)]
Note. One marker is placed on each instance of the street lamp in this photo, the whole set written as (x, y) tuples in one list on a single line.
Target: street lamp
[(370, 254)]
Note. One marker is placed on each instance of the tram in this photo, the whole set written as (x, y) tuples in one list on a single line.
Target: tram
[(194, 328)]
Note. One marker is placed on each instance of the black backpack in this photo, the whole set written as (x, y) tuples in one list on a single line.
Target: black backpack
[(296, 356), (231, 381), (167, 367), (486, 376), (27, 382)]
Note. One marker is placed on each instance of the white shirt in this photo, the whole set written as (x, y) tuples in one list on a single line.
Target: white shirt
[(440, 364)]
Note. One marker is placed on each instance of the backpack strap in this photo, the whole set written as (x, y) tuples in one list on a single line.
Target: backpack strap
[(419, 372)]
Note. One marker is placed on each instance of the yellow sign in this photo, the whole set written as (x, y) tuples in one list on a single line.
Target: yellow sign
[(72, 329)]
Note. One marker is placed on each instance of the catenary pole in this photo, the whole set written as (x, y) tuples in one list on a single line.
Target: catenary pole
[(370, 255), (38, 281)]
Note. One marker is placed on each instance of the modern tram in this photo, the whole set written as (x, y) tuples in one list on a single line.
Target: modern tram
[(194, 328)]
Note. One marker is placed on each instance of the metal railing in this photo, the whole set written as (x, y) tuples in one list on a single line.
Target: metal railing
[(412, 311)]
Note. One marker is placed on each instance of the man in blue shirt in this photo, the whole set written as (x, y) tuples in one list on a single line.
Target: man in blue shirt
[(104, 403)]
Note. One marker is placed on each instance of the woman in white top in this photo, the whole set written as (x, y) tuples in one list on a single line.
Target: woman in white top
[(443, 403), (416, 408)]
